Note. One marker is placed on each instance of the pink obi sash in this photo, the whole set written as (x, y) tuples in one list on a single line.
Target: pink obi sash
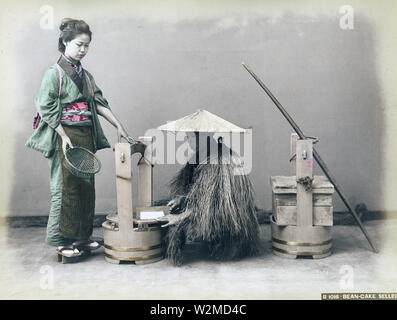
[(76, 112)]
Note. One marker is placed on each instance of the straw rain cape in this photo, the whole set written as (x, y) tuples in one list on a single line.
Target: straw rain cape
[(218, 209)]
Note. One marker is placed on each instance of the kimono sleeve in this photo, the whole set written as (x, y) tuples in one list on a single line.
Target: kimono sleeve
[(47, 98), (99, 98)]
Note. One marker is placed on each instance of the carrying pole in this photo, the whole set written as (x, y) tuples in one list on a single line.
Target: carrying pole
[(316, 156)]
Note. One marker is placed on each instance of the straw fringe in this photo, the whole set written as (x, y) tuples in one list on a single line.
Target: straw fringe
[(219, 210)]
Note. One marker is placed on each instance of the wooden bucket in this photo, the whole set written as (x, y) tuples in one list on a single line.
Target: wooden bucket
[(126, 237), (291, 240), (295, 241), (302, 208), (141, 245)]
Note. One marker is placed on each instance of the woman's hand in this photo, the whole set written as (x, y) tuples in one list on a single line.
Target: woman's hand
[(65, 142), (121, 132), (65, 139), (109, 116)]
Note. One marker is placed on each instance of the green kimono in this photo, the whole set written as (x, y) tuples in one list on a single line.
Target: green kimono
[(72, 199)]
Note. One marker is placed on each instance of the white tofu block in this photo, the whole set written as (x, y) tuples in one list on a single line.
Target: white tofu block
[(151, 214)]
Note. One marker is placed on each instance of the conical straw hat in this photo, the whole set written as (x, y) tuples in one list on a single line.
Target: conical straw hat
[(201, 121)]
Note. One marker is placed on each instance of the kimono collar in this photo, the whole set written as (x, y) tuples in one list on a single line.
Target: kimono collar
[(77, 66), (70, 69)]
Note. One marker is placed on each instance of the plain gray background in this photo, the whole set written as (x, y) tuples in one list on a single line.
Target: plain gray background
[(153, 71)]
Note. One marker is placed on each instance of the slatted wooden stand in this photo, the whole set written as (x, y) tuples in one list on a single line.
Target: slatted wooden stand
[(127, 239), (302, 208)]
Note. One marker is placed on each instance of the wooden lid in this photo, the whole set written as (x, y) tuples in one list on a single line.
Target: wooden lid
[(287, 184), (114, 218)]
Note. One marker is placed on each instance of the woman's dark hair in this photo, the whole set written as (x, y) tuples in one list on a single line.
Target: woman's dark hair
[(70, 29)]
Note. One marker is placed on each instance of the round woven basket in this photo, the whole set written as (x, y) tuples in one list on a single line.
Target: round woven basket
[(81, 162)]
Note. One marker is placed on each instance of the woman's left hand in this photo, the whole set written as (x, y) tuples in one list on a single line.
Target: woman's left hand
[(109, 116), (121, 132)]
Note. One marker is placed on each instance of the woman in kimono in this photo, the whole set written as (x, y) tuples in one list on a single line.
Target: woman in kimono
[(68, 103)]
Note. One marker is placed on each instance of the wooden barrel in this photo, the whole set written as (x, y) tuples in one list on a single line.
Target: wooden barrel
[(294, 242), (308, 234), (141, 245)]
